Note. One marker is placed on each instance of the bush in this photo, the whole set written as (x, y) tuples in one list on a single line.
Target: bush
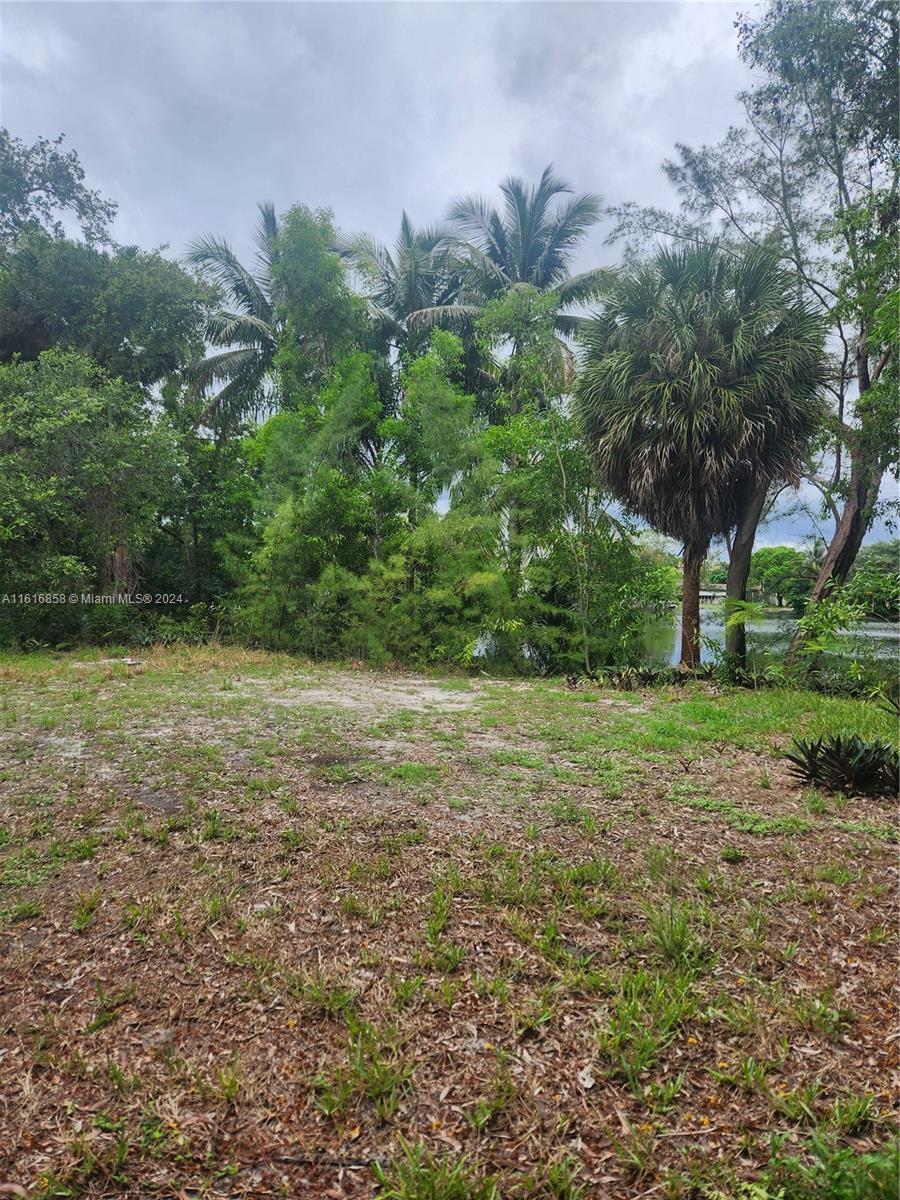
[(846, 764)]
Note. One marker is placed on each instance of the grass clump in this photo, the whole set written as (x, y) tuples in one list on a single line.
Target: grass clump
[(825, 1171), (643, 1019), (672, 932), (501, 1093), (376, 1069), (415, 1174), (85, 909)]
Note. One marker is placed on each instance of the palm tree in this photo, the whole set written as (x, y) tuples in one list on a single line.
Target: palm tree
[(531, 241), (418, 274), (699, 389), (248, 329), (422, 274)]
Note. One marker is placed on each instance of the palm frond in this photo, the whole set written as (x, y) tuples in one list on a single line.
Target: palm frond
[(569, 325), (266, 233), (475, 218), (206, 371), (216, 257), (588, 285), (225, 329), (446, 316)]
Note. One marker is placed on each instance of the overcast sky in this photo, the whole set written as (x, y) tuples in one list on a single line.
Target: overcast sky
[(188, 114)]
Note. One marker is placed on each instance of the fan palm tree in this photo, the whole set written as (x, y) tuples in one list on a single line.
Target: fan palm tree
[(531, 241), (247, 329), (699, 388)]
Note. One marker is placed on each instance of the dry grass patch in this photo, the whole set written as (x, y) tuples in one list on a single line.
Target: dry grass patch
[(494, 939)]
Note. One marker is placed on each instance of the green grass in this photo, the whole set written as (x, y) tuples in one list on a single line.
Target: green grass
[(824, 1170), (85, 909), (645, 1014), (376, 1069), (677, 721), (416, 1174), (591, 893), (413, 774), (517, 758)]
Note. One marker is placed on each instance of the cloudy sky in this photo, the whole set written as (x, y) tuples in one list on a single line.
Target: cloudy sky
[(188, 114)]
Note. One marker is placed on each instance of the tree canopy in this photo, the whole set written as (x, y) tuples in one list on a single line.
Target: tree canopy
[(40, 185), (443, 449)]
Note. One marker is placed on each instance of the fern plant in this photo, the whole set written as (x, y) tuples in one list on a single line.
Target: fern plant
[(846, 763)]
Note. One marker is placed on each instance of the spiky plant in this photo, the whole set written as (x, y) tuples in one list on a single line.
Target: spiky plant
[(846, 763)]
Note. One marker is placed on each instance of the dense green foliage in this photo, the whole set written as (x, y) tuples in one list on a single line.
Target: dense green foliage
[(83, 470), (351, 450), (137, 315), (410, 493), (783, 573), (786, 575)]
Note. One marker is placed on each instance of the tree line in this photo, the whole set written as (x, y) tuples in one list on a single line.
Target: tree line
[(438, 450)]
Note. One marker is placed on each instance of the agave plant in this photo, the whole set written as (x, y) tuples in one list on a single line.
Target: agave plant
[(842, 763)]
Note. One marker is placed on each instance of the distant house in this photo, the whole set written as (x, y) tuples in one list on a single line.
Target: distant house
[(711, 594)]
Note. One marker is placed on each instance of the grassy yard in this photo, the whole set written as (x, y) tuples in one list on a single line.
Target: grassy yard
[(270, 928)]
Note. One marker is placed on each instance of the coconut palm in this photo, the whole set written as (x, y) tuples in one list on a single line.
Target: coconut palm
[(531, 241), (417, 274), (247, 329), (699, 388), (422, 273)]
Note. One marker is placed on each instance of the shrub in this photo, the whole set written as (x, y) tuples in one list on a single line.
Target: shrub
[(847, 764)]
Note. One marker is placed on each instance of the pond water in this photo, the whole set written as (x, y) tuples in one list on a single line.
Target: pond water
[(663, 636)]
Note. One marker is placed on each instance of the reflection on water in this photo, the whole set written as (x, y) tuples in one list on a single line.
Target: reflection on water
[(662, 640)]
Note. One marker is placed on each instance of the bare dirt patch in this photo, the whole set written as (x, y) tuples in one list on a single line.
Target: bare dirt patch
[(368, 694)]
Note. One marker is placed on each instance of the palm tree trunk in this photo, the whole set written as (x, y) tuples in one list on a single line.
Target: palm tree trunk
[(690, 607), (739, 571)]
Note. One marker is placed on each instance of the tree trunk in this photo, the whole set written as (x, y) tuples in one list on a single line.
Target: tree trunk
[(865, 483), (119, 576), (855, 519), (690, 607), (739, 571), (866, 473)]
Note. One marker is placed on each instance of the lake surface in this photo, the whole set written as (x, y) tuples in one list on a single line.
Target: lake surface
[(663, 637)]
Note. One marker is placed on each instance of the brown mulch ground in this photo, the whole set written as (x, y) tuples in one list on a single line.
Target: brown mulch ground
[(262, 923)]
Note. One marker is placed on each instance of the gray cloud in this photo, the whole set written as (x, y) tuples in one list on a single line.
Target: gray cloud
[(188, 114)]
